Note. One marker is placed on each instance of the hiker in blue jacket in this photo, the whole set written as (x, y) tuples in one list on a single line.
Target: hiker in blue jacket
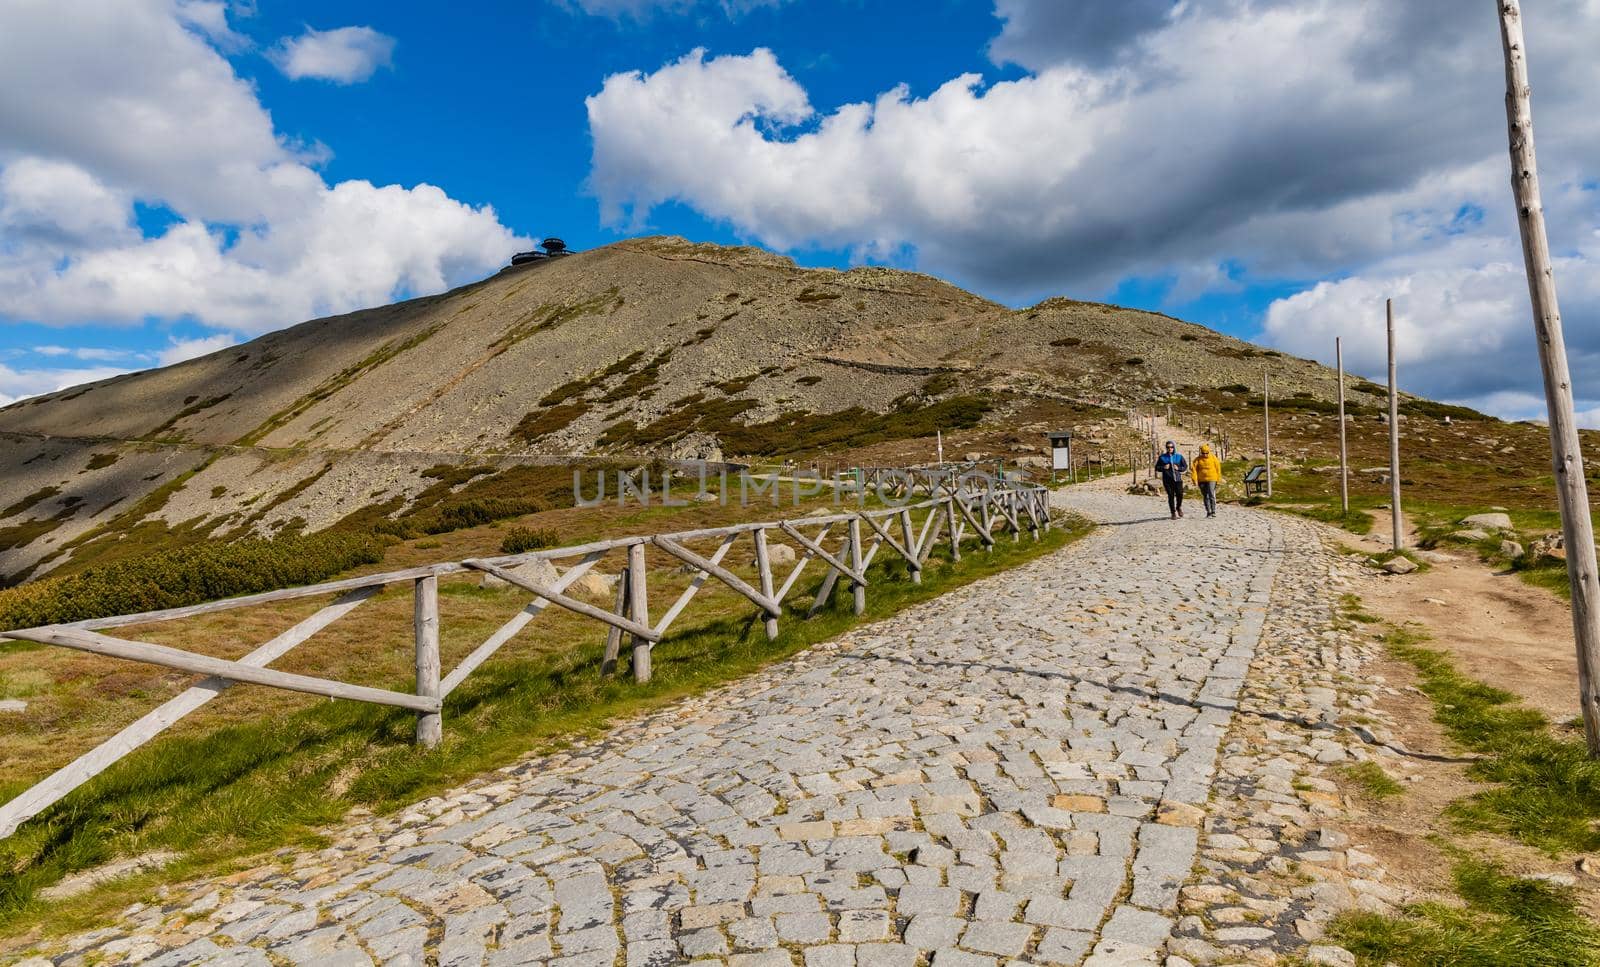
[(1172, 468)]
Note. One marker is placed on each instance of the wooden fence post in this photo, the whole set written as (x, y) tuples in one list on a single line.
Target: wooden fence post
[(1577, 529), (910, 541), (608, 663), (638, 611), (950, 521), (859, 591), (425, 612), (764, 571)]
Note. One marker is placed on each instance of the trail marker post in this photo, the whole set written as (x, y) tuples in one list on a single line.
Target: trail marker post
[(1344, 454), (1394, 434), (1266, 424), (1577, 528)]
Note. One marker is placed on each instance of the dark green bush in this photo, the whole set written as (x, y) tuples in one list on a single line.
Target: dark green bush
[(188, 575), (520, 540)]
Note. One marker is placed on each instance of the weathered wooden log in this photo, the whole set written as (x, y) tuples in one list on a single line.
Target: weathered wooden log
[(509, 630), (425, 612), (639, 614), (700, 579), (570, 603), (719, 572), (92, 641), (69, 777), (818, 550)]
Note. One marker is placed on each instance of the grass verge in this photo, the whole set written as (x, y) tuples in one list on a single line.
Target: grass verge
[(1503, 920), (222, 797), (1546, 789)]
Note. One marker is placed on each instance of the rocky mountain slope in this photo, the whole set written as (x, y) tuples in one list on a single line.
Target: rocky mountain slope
[(652, 346)]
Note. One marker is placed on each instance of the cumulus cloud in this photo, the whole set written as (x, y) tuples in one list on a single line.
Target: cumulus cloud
[(182, 349), (1043, 33), (260, 239), (1207, 145), (344, 55), (1463, 325), (19, 384)]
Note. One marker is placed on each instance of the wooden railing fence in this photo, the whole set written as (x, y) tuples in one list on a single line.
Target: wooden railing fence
[(956, 512)]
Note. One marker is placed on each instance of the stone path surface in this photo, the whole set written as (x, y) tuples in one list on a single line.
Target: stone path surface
[(1017, 772)]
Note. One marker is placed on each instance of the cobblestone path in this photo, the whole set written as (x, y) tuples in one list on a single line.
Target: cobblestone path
[(1013, 773)]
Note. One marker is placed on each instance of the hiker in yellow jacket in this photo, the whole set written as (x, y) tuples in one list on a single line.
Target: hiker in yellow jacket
[(1207, 473)]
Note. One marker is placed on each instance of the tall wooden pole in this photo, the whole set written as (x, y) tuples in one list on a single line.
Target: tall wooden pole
[(1266, 424), (1394, 433), (1344, 455), (1577, 528)]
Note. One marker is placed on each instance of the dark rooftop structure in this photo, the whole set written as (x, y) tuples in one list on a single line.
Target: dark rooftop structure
[(553, 248)]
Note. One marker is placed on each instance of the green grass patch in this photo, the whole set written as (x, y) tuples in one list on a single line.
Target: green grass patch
[(239, 790), (1546, 789), (1370, 780), (1503, 920)]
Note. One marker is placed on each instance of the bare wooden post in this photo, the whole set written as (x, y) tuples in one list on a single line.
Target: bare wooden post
[(950, 520), (764, 572), (1577, 529), (425, 612), (1266, 424), (608, 663), (911, 544), (1344, 454), (638, 611), (858, 590), (1394, 434)]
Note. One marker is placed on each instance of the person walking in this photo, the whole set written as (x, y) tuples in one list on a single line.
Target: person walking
[(1207, 474), (1171, 467)]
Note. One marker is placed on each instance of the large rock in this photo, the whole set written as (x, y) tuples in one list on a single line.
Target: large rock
[(595, 585), (780, 553), (1472, 535), (1491, 522), (538, 571), (1510, 549), (1399, 565)]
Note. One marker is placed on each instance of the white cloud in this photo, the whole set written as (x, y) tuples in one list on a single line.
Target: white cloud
[(93, 354), (344, 55), (1221, 143), (18, 384), (183, 349), (260, 241), (1463, 324)]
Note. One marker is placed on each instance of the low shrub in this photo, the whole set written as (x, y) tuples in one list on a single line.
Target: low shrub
[(520, 540), (187, 575)]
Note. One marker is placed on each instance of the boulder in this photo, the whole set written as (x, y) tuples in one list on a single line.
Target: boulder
[(777, 554), (1033, 463), (1510, 549), (1491, 522), (538, 571), (1471, 535), (1399, 565), (595, 585), (13, 705)]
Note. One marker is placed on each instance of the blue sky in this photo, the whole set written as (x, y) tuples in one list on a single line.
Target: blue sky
[(178, 175)]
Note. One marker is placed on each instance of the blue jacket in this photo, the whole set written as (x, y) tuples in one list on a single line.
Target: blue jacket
[(1172, 467)]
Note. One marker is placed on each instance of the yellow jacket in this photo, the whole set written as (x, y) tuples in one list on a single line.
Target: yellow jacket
[(1207, 468)]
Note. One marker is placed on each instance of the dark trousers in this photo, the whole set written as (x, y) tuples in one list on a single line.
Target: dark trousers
[(1174, 495), (1208, 492)]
